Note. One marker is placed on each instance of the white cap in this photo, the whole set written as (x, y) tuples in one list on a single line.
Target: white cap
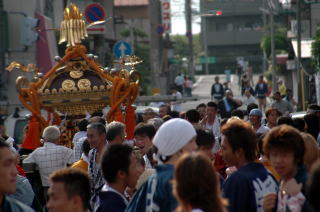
[(172, 136)]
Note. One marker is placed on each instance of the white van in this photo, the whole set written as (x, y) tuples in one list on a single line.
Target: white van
[(15, 124)]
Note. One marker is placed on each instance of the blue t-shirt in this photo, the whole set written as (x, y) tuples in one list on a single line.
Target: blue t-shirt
[(246, 188), (155, 195), (11, 205)]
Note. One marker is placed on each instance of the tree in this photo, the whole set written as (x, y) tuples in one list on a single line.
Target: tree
[(282, 44), (180, 46)]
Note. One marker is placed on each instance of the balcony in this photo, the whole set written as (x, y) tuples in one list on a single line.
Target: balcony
[(234, 38)]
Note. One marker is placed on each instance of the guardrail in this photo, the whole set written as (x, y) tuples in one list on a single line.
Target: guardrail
[(165, 98)]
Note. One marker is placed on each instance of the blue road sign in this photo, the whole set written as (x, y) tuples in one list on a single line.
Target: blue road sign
[(121, 49), (94, 12)]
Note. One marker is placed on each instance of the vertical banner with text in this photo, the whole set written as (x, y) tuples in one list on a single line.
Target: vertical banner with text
[(166, 16)]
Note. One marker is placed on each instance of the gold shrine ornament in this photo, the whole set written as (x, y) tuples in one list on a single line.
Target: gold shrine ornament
[(84, 84), (68, 85), (76, 74)]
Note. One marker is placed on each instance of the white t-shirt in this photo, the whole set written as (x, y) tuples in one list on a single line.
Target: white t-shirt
[(177, 107), (250, 100), (263, 129), (215, 128)]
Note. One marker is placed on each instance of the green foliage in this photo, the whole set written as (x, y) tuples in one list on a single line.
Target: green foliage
[(136, 33), (180, 46), (315, 50), (143, 51), (282, 43)]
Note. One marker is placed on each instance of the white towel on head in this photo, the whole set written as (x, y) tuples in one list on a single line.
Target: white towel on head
[(172, 136)]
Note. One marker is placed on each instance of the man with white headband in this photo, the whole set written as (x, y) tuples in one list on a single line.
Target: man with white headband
[(173, 138)]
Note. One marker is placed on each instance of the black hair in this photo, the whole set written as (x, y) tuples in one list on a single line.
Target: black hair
[(174, 114), (193, 116), (145, 129), (205, 138), (167, 106), (85, 147), (3, 143), (285, 120), (312, 122), (314, 107), (115, 158), (83, 125), (299, 124), (251, 107), (98, 126), (212, 104), (76, 182), (238, 113), (201, 105)]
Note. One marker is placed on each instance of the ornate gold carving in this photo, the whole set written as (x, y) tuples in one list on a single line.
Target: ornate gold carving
[(124, 74), (76, 74), (28, 68), (84, 84), (73, 28), (135, 77), (68, 85)]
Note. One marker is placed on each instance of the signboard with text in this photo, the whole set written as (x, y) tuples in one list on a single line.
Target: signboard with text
[(166, 15)]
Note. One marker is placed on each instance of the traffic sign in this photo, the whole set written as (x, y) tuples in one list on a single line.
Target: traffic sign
[(121, 49), (94, 12)]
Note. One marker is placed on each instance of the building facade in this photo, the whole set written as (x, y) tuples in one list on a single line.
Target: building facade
[(234, 35)]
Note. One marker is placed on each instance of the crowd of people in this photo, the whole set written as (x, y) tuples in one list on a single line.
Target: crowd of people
[(214, 157), (282, 99)]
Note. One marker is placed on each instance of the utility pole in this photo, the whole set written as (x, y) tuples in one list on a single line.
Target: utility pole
[(189, 36), (264, 20), (155, 41), (273, 53), (204, 36), (299, 69), (2, 47)]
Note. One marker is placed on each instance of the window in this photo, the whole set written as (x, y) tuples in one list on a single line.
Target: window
[(220, 27)]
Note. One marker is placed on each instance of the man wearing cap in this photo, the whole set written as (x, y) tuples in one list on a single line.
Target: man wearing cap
[(156, 193), (255, 119)]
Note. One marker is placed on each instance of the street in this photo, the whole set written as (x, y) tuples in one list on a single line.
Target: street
[(202, 88)]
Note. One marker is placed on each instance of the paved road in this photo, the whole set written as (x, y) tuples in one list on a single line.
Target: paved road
[(202, 88)]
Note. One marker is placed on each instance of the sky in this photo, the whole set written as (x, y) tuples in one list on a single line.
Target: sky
[(178, 25)]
